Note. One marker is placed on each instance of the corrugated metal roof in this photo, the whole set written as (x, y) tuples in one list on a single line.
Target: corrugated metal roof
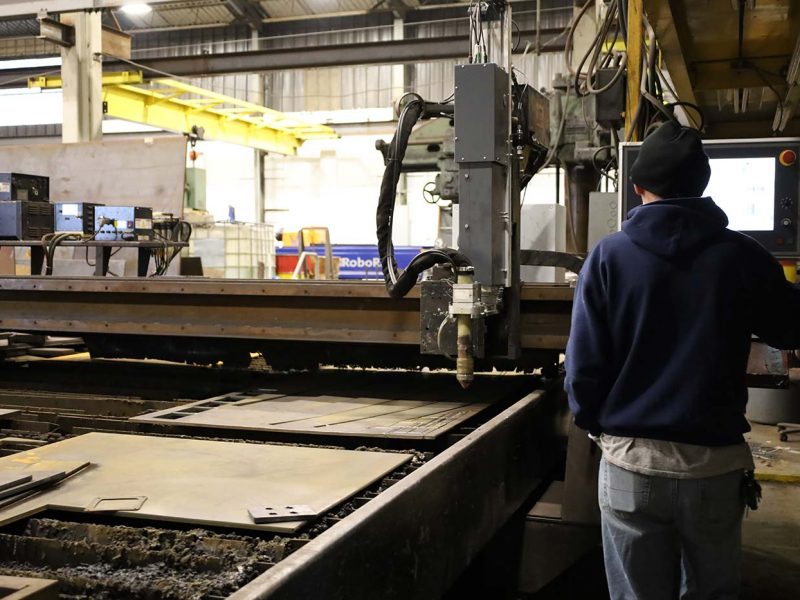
[(302, 8), (200, 13), (180, 14), (19, 28)]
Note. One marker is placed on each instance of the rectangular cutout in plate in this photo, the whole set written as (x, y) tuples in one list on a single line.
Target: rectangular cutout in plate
[(115, 504), (281, 513)]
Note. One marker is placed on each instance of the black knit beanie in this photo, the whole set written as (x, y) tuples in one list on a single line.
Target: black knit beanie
[(672, 163)]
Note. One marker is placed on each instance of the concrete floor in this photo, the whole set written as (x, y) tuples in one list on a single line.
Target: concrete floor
[(771, 545), (770, 540), (771, 554), (771, 534)]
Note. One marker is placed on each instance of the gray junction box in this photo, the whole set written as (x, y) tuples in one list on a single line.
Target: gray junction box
[(481, 151)]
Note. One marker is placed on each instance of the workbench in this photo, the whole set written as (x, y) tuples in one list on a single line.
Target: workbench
[(102, 250)]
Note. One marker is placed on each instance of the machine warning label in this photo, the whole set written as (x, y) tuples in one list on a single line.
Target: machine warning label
[(5, 187)]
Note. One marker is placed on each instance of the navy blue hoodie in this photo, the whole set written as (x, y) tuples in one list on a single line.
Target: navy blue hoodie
[(662, 322)]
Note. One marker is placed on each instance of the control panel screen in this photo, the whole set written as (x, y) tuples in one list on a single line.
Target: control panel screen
[(745, 189), (756, 182)]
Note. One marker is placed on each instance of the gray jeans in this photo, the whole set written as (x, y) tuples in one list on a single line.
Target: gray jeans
[(666, 538)]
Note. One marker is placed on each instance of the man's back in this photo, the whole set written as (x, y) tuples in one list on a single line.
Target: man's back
[(660, 349), (656, 367)]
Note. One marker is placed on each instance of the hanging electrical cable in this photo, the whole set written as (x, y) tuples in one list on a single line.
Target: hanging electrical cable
[(399, 283), (599, 55)]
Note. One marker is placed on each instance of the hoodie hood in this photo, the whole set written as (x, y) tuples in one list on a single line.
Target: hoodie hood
[(673, 227)]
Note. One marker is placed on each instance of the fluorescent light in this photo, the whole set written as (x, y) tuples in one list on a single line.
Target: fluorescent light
[(26, 63), (137, 8)]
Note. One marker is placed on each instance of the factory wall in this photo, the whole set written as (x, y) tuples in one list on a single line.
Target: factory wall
[(230, 181), (333, 182)]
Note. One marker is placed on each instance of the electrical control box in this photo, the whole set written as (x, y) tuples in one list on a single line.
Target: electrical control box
[(195, 196), (77, 217), (610, 104), (123, 223), (32, 188), (543, 227), (536, 113), (756, 182), (603, 217), (24, 220)]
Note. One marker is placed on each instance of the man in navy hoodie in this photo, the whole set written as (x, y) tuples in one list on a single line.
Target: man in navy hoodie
[(661, 328)]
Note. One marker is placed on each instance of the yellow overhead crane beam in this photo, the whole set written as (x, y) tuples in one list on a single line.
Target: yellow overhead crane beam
[(177, 106)]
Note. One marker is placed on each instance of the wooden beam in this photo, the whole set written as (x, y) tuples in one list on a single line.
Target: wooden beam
[(635, 35), (668, 19), (722, 130), (726, 75)]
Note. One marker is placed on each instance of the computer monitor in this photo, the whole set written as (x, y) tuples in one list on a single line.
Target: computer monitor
[(756, 183)]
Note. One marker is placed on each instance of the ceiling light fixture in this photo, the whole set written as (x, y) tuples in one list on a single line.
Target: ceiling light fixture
[(136, 9)]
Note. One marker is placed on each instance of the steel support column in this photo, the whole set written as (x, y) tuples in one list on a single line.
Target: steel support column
[(82, 74), (403, 216), (258, 83), (581, 179)]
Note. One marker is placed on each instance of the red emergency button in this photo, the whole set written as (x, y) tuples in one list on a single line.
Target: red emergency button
[(787, 158)]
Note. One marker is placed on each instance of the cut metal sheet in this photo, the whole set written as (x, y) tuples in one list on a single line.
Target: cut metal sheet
[(37, 479), (280, 514), (7, 413), (27, 588), (423, 407), (10, 480), (198, 481)]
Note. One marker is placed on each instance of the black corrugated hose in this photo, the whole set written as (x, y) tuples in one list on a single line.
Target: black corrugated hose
[(399, 284)]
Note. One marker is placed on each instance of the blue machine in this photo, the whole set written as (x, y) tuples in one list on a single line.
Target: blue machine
[(359, 262)]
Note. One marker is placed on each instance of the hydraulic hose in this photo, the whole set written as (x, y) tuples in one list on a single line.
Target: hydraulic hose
[(398, 284)]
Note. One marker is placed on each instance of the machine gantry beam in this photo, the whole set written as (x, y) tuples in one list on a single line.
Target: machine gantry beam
[(326, 312)]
